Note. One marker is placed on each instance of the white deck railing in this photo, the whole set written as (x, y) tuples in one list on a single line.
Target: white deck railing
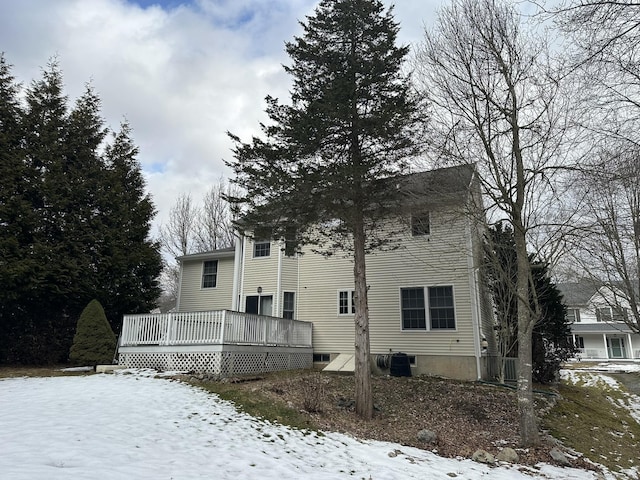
[(213, 328)]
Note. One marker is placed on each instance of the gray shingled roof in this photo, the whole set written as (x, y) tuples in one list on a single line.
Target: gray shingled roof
[(222, 252), (443, 186), (440, 181), (578, 293)]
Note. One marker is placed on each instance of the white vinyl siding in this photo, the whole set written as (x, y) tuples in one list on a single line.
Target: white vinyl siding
[(439, 259), (194, 298), (260, 273)]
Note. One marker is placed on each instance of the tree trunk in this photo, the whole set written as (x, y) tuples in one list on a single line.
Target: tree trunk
[(364, 396), (528, 422)]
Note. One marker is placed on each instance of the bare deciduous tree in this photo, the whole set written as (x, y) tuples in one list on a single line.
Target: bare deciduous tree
[(178, 235), (496, 102), (214, 228), (608, 251), (192, 229), (605, 41)]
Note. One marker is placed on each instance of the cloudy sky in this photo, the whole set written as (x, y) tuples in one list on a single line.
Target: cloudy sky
[(182, 72)]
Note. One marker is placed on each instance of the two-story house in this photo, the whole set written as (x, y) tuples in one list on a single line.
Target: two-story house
[(597, 312), (426, 296)]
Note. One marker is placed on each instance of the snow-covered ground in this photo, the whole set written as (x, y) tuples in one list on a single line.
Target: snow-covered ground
[(133, 426)]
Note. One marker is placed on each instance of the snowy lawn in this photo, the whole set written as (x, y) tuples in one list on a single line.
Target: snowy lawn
[(133, 426)]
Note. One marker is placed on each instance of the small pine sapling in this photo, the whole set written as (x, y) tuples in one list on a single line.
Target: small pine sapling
[(94, 342)]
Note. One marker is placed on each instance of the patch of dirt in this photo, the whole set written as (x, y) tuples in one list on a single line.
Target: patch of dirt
[(466, 416)]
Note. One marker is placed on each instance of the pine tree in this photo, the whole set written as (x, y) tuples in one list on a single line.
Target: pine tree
[(16, 214), (94, 342), (128, 263), (46, 326), (75, 220), (350, 124), (552, 343)]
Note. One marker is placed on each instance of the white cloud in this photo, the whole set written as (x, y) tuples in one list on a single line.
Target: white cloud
[(182, 75)]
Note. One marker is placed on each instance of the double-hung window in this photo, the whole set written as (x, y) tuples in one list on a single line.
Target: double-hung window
[(435, 304), (573, 315), (346, 303), (209, 273), (420, 224), (603, 314), (288, 305), (262, 242), (441, 309), (261, 249), (413, 309), (620, 314)]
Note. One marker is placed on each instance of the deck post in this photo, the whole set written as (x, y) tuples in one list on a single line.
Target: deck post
[(167, 337), (223, 326)]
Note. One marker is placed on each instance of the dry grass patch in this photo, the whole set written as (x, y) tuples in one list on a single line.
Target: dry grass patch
[(590, 418), (466, 416), (26, 371)]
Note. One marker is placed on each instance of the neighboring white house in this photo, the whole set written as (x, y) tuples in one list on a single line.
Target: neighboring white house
[(426, 297), (596, 313)]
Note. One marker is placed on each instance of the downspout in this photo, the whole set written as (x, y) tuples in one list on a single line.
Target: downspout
[(276, 312), (475, 301), (296, 303), (179, 287), (238, 261), (242, 265)]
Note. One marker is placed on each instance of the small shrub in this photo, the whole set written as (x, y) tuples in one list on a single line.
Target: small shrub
[(94, 342), (313, 388)]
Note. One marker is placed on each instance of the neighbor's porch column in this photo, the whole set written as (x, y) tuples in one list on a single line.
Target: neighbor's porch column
[(606, 350), (630, 345)]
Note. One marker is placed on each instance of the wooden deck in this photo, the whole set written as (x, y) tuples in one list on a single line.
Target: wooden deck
[(220, 342)]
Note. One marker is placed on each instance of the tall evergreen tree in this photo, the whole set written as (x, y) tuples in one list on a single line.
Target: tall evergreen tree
[(16, 213), (128, 261), (74, 219), (46, 326), (350, 123)]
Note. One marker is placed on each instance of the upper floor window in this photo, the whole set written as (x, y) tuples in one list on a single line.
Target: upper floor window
[(291, 242), (573, 315), (346, 302), (420, 224), (440, 307), (261, 242), (209, 273), (261, 248), (620, 314), (603, 314)]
